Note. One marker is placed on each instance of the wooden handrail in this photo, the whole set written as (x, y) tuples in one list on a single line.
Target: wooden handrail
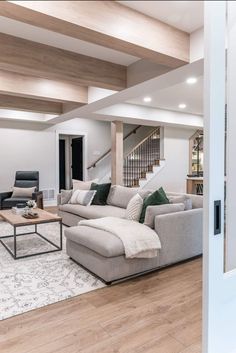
[(93, 165)]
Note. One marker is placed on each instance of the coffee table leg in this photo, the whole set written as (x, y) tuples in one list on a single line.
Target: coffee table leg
[(14, 242)]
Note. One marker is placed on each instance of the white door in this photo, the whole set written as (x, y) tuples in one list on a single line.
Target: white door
[(219, 289)]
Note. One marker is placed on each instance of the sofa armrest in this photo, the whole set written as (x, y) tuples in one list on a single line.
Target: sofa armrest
[(180, 235), (38, 198), (58, 199), (3, 196)]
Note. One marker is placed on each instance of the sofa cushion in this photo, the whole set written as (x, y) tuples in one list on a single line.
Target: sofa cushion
[(65, 196), (102, 191), (93, 211), (12, 201), (120, 196), (158, 197), (197, 200), (100, 241), (186, 200), (82, 185), (153, 211)]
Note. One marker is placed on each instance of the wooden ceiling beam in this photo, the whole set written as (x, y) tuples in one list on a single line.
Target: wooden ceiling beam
[(31, 105), (18, 85), (106, 23), (31, 58)]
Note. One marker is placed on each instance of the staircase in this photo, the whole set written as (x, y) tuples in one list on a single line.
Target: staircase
[(142, 160)]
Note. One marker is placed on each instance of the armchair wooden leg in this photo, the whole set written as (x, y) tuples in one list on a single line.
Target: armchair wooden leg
[(38, 198)]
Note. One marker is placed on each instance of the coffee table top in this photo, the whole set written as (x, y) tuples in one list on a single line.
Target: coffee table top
[(18, 220)]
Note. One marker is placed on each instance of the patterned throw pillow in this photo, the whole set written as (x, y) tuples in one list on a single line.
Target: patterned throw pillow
[(83, 197), (134, 208)]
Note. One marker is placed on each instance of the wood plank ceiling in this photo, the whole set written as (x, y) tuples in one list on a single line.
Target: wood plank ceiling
[(42, 78)]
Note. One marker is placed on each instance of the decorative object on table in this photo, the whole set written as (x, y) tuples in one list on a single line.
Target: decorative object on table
[(31, 215), (24, 182), (18, 211), (31, 204)]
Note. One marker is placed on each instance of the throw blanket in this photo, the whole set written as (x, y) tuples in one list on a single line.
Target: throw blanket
[(139, 240)]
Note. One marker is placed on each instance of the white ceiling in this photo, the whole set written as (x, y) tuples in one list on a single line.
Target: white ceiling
[(185, 15), (61, 41), (135, 94), (169, 98)]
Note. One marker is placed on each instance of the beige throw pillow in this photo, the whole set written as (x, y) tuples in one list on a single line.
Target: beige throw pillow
[(120, 196), (66, 196), (186, 200), (83, 185), (23, 192), (153, 211), (134, 208)]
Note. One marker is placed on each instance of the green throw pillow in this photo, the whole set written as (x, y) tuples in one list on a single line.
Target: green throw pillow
[(101, 195), (158, 197)]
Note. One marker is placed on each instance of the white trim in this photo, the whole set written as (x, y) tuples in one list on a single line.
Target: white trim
[(85, 150), (219, 288)]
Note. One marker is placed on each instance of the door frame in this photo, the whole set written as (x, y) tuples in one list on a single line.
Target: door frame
[(219, 287), (84, 135)]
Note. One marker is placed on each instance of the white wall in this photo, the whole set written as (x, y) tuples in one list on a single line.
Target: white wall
[(25, 146), (26, 150), (176, 153), (30, 146), (197, 45)]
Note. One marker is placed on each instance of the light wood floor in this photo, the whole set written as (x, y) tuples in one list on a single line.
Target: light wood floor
[(157, 313)]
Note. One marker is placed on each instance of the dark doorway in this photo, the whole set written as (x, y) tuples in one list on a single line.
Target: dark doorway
[(62, 164), (77, 158)]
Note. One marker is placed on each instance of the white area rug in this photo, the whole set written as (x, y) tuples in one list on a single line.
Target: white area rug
[(33, 282)]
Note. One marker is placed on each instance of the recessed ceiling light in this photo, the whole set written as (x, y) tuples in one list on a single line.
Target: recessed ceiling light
[(191, 80), (147, 99), (182, 106)]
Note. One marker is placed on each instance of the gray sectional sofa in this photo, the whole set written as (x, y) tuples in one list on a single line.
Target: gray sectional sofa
[(102, 253)]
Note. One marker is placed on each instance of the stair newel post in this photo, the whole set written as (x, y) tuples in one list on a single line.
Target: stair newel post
[(117, 157)]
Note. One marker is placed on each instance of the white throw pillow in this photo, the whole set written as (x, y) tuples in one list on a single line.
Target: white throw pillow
[(134, 208), (83, 185), (83, 197)]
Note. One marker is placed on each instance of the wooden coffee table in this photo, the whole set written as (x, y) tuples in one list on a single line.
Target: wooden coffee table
[(19, 221)]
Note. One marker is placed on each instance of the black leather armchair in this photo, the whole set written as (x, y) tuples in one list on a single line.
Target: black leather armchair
[(23, 179)]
